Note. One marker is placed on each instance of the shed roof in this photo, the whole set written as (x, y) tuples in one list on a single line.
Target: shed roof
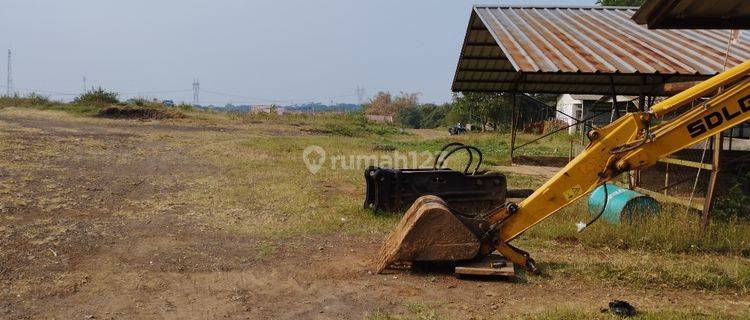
[(540, 49), (714, 14)]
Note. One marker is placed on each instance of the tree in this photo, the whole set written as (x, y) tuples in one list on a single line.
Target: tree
[(621, 3), (97, 96), (434, 115), (488, 108), (379, 104), (383, 103), (410, 117), (423, 116)]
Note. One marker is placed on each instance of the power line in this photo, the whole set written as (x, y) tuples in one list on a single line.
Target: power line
[(277, 100), (235, 95), (44, 91), (75, 94), (196, 92), (155, 92)]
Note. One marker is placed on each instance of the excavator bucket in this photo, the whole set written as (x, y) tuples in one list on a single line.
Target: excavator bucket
[(429, 231)]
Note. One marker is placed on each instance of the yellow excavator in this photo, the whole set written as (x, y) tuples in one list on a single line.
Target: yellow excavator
[(431, 231)]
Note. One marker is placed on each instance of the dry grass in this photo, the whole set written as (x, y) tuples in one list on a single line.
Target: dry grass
[(639, 268), (265, 189), (251, 179), (672, 231)]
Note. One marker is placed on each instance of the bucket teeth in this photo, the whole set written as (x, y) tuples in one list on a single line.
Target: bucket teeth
[(428, 231)]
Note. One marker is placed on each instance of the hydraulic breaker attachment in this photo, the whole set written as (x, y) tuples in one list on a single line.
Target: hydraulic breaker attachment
[(470, 192), (396, 189)]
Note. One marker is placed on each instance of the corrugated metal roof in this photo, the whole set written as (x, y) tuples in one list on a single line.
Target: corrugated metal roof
[(714, 14), (582, 49)]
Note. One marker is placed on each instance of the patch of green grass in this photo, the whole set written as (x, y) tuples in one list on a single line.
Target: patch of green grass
[(361, 127), (265, 188), (31, 99), (378, 315), (74, 109), (638, 268), (672, 231), (39, 102), (265, 249), (704, 273)]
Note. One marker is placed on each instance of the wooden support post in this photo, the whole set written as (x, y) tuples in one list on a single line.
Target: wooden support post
[(570, 154), (513, 128), (615, 112), (582, 126), (666, 179), (718, 145), (731, 134), (642, 96)]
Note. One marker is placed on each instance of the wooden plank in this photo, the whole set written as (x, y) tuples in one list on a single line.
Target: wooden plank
[(492, 265), (688, 163), (661, 197)]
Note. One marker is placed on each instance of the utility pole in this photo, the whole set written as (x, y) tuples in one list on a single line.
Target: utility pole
[(196, 92), (9, 80), (84, 85)]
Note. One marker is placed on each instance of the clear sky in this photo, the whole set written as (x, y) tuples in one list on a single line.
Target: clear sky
[(262, 51)]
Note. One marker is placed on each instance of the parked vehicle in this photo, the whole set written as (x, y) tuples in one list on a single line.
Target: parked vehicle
[(457, 129)]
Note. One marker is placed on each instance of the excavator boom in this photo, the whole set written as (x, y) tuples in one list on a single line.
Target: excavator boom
[(629, 143)]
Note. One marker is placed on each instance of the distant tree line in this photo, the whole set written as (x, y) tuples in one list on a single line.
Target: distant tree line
[(484, 110)]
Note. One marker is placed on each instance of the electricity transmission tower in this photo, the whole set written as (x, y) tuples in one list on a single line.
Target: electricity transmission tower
[(9, 80), (360, 94), (196, 92)]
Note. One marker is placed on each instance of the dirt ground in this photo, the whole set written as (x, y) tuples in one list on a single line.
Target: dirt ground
[(90, 229)]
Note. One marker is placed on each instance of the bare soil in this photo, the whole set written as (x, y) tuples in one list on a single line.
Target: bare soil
[(87, 235)]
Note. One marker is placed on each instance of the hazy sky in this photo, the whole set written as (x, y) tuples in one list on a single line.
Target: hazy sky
[(259, 50)]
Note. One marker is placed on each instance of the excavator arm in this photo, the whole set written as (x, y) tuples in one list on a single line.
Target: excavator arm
[(432, 231), (627, 144)]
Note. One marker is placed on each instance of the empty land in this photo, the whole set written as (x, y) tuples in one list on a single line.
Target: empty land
[(216, 217)]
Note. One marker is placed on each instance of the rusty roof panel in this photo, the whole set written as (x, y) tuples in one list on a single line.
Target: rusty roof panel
[(715, 14), (586, 39), (593, 44)]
